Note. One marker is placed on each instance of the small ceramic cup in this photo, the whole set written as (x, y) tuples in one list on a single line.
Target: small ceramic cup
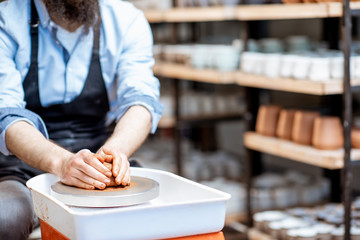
[(285, 124), (355, 137), (267, 119), (327, 134), (303, 127)]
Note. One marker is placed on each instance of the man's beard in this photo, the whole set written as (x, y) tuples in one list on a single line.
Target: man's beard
[(83, 12)]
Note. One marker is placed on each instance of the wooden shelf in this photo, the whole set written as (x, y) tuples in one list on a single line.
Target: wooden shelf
[(305, 154), (179, 71), (235, 217), (290, 84), (168, 122), (193, 14), (254, 234), (172, 70), (249, 12)]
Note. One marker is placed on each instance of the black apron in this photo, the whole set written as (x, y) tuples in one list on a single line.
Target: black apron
[(79, 124)]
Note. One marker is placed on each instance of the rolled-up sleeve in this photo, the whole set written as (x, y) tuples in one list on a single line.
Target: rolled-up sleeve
[(136, 82), (9, 116)]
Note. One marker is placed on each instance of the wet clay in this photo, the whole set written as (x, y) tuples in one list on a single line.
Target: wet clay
[(110, 189)]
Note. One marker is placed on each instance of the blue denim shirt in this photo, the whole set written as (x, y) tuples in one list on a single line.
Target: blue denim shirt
[(64, 58)]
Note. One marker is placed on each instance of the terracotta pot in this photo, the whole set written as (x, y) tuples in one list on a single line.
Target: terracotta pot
[(285, 124), (328, 133), (303, 127), (267, 119), (355, 137)]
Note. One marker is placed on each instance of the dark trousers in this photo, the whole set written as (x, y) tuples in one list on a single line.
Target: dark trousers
[(17, 216)]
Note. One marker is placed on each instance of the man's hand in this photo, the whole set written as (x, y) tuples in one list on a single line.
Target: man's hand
[(84, 170), (120, 164)]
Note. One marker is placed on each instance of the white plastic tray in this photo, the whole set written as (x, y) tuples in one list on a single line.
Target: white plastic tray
[(183, 208)]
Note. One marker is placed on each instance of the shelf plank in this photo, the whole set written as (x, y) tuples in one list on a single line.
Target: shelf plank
[(282, 11), (335, 8), (179, 71), (154, 16), (168, 122), (305, 154), (254, 234), (290, 84), (249, 12), (172, 70), (200, 14), (235, 217), (192, 14)]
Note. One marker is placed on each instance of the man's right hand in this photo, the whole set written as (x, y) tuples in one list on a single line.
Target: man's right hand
[(84, 170)]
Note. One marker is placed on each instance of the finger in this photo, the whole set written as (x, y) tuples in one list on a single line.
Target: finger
[(92, 160), (116, 165), (108, 158), (127, 179), (76, 180), (124, 167), (106, 155), (91, 181), (108, 166), (80, 184), (100, 157), (92, 173)]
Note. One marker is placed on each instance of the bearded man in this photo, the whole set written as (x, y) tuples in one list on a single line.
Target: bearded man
[(69, 69)]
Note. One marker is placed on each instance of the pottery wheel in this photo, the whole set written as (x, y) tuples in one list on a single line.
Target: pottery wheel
[(140, 190)]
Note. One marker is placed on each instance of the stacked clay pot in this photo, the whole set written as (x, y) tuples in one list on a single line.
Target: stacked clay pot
[(267, 120), (285, 124), (303, 127), (327, 134), (355, 137)]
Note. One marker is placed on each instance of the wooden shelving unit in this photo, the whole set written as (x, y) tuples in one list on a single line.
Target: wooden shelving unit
[(333, 159), (249, 12), (326, 159)]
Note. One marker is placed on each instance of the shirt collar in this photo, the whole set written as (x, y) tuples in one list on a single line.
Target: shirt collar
[(46, 21), (44, 17)]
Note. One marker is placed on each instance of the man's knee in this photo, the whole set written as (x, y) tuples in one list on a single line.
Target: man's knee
[(16, 216)]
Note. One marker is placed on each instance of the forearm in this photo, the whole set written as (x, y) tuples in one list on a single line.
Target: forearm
[(131, 131), (29, 145)]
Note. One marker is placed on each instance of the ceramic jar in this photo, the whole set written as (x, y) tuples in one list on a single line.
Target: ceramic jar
[(275, 229), (324, 231), (303, 127), (307, 233), (292, 223), (263, 219), (301, 67), (272, 65), (355, 137), (285, 124), (287, 65), (319, 69), (328, 133), (267, 120), (250, 62)]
